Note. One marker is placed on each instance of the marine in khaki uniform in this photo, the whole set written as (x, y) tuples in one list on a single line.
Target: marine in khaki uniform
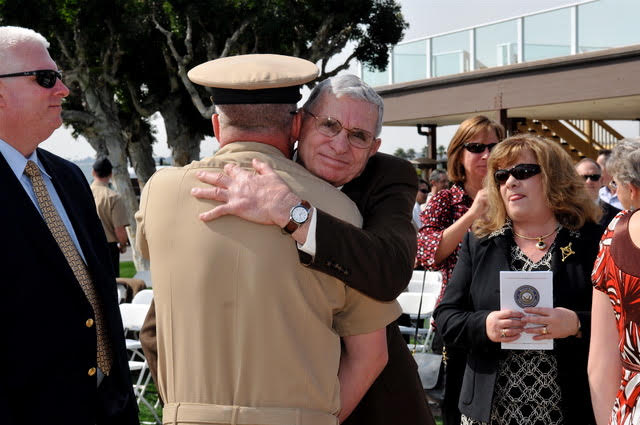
[(111, 210), (245, 333)]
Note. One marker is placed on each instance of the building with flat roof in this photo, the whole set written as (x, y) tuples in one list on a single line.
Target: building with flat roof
[(559, 72)]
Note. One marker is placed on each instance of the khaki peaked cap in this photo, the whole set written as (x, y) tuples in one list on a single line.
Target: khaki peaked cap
[(257, 78)]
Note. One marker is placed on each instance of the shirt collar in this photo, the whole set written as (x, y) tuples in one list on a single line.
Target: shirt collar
[(17, 162)]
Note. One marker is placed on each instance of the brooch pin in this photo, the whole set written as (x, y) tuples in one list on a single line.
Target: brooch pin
[(566, 251)]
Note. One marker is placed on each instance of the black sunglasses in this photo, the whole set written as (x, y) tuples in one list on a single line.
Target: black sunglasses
[(592, 177), (424, 190), (478, 147), (45, 77), (520, 172)]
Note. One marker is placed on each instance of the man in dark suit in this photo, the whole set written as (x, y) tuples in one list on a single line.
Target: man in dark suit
[(63, 360), (376, 260)]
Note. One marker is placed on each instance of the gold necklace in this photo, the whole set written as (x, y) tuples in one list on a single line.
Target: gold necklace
[(540, 245)]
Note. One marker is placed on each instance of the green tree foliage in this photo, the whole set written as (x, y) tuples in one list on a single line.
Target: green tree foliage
[(125, 60)]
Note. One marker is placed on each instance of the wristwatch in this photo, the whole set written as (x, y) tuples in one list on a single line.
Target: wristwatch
[(298, 215)]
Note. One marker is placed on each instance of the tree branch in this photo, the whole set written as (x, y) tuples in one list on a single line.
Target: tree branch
[(231, 41)]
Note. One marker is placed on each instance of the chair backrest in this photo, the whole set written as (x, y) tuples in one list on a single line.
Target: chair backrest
[(432, 282), (122, 292), (143, 297), (410, 302), (133, 315)]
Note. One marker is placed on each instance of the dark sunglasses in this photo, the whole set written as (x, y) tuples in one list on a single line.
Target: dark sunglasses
[(424, 190), (520, 172), (45, 77), (592, 177), (478, 147)]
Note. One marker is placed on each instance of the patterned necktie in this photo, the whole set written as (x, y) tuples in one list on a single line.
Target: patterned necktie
[(61, 235)]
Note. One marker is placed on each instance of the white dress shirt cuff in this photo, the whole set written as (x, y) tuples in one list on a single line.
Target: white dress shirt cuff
[(310, 245)]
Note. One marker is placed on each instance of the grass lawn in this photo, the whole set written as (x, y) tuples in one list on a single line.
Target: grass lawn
[(127, 269)]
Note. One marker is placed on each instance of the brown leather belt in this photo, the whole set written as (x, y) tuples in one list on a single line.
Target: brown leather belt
[(200, 414)]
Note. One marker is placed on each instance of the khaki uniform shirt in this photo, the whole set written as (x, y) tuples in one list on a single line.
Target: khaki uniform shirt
[(246, 334), (111, 209)]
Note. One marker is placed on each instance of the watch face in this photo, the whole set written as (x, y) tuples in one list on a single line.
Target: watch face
[(299, 214)]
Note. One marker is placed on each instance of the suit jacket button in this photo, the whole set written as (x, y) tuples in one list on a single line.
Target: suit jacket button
[(89, 322), (92, 371)]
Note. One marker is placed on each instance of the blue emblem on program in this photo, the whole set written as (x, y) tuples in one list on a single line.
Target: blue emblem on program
[(527, 296)]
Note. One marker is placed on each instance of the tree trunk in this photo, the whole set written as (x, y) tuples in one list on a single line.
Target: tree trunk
[(140, 151), (182, 138)]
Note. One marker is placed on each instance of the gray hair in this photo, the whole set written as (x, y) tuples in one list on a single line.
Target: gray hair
[(624, 162), (347, 85), (257, 118), (436, 175), (10, 37)]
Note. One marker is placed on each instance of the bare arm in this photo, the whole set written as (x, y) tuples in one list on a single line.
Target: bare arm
[(453, 234), (363, 358), (605, 368)]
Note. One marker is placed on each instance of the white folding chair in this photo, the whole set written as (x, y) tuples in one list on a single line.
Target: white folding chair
[(143, 297), (122, 293), (410, 304), (133, 316), (432, 282)]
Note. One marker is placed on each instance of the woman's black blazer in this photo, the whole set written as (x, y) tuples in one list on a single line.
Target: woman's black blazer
[(474, 291)]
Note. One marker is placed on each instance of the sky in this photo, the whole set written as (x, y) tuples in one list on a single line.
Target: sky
[(425, 17)]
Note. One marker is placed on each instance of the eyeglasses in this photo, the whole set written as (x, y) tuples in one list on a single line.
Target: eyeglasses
[(45, 77), (331, 127), (592, 177), (478, 147), (519, 172), (423, 190)]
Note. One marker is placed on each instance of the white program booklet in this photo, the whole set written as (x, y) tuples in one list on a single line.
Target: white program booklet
[(526, 289)]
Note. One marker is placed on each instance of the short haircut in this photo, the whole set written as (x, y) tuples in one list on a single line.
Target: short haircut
[(588, 160), (563, 188), (469, 128), (624, 162), (10, 37), (102, 167), (257, 118), (347, 85), (436, 175)]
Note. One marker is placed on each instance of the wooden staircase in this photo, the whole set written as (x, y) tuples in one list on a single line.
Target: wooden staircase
[(580, 138)]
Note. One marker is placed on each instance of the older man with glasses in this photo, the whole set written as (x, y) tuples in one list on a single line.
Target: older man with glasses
[(64, 358)]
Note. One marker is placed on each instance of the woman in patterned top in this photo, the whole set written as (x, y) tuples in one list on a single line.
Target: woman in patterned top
[(614, 356), (539, 218), (447, 219)]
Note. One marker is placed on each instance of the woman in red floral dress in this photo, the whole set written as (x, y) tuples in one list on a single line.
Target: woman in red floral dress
[(614, 355), (449, 216)]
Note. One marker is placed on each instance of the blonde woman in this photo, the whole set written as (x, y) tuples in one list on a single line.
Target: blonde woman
[(539, 218)]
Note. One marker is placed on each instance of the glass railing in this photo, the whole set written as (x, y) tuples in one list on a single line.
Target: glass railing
[(583, 26)]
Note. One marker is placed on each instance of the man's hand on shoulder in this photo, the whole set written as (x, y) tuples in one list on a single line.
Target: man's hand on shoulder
[(261, 197)]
